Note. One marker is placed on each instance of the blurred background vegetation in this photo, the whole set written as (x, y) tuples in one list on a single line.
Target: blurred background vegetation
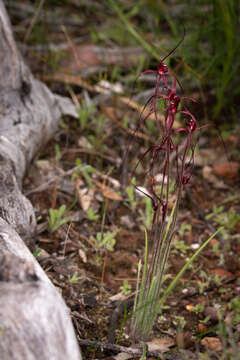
[(208, 60)]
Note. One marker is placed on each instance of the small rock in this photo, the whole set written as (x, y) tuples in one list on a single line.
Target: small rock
[(211, 312), (195, 246), (127, 222), (189, 291)]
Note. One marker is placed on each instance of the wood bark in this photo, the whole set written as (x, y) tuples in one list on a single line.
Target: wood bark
[(34, 321)]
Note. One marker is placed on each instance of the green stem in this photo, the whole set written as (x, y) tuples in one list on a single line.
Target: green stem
[(132, 31)]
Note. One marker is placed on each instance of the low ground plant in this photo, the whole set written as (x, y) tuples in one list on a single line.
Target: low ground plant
[(105, 240), (56, 218)]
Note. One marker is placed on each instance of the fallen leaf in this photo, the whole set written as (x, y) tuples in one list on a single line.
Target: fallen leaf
[(162, 344), (228, 170), (123, 356), (212, 343), (222, 273), (118, 297), (85, 195), (107, 192), (45, 240), (82, 256)]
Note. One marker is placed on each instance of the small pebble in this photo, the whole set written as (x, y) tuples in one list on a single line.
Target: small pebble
[(195, 246)]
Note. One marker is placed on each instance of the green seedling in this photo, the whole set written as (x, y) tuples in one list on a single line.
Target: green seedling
[(92, 215), (217, 280), (126, 288), (37, 252), (147, 215), (84, 114), (180, 322), (99, 122), (216, 210), (106, 240), (229, 219), (74, 278), (58, 153), (85, 170), (56, 219), (202, 286), (180, 247), (184, 229), (205, 282), (198, 309), (215, 248), (132, 200)]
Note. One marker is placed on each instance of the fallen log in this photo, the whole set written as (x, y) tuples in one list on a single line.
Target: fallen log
[(34, 321)]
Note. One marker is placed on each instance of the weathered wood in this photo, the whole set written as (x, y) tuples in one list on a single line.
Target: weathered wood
[(34, 320)]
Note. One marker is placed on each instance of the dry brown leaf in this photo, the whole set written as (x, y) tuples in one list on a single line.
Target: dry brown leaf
[(228, 170), (82, 255), (107, 192), (85, 195), (162, 344), (222, 273), (123, 356)]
